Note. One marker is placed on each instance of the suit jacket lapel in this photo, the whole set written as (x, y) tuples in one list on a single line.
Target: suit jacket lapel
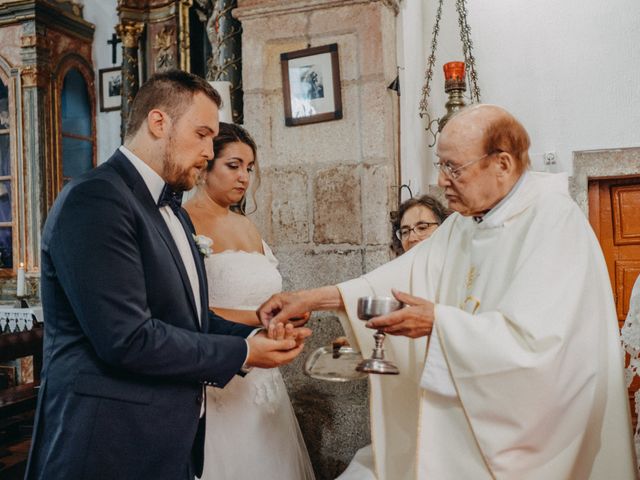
[(139, 189), (202, 274)]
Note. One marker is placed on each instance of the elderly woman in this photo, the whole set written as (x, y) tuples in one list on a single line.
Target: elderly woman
[(417, 219)]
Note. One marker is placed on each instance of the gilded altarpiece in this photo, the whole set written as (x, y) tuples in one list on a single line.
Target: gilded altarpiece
[(40, 42), (155, 37)]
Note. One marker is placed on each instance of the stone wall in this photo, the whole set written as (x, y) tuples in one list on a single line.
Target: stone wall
[(327, 188)]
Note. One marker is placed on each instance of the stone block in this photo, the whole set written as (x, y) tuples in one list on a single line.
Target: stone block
[(258, 121), (289, 207), (378, 136), (337, 207), (348, 53), (263, 39), (261, 216), (376, 203), (311, 268), (388, 39), (317, 143), (365, 20), (264, 72), (377, 256)]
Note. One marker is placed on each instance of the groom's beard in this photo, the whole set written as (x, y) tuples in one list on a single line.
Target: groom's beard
[(179, 177)]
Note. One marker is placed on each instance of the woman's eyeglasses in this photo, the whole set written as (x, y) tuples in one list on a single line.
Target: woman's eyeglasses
[(421, 229)]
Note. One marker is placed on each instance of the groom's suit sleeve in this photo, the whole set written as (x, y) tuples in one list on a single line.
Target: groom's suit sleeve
[(222, 326), (96, 246)]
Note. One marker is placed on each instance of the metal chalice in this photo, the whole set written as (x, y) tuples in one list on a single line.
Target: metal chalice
[(369, 307)]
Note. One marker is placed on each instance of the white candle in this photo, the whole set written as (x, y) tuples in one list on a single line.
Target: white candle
[(20, 288)]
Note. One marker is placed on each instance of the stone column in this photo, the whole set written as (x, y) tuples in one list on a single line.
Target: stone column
[(327, 188), (130, 33)]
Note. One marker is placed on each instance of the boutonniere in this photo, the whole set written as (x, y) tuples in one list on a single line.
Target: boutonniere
[(204, 244)]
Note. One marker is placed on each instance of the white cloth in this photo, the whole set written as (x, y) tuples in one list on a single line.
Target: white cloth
[(361, 467), (631, 342), (526, 322), (251, 429)]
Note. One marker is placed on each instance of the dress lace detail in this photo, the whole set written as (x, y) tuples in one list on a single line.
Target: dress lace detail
[(242, 280), (631, 343), (254, 411)]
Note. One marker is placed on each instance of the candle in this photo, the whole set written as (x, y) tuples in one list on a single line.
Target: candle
[(453, 71), (20, 288)]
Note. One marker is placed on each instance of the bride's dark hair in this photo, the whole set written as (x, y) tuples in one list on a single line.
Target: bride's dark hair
[(231, 133)]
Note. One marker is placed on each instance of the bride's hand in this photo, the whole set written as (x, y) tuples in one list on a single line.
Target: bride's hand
[(288, 331)]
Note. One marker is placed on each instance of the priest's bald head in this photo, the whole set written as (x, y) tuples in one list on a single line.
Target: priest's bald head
[(482, 152)]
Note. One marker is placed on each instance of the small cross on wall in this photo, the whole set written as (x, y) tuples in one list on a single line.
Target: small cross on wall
[(115, 40)]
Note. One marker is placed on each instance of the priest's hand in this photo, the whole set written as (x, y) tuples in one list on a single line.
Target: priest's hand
[(296, 307), (284, 308), (413, 321), (265, 352)]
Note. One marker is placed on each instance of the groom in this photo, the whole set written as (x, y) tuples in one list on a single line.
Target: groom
[(129, 341)]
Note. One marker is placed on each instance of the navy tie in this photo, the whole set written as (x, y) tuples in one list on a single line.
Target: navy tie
[(170, 197)]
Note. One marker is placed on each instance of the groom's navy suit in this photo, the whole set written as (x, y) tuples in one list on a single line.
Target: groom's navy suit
[(125, 355)]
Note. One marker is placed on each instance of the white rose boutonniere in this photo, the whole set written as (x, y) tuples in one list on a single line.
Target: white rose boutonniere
[(204, 244)]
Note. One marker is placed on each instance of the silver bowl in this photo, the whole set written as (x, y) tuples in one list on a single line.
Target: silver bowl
[(369, 307)]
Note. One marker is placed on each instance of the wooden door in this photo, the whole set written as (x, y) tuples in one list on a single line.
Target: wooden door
[(614, 213)]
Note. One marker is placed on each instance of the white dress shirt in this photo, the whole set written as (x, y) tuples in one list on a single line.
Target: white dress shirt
[(155, 184)]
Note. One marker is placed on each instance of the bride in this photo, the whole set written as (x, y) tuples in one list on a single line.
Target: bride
[(251, 429)]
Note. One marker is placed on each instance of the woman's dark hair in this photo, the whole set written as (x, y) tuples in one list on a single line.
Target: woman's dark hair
[(439, 210), (231, 133)]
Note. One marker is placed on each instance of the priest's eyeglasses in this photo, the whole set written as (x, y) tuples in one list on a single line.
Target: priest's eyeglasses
[(420, 229), (455, 172)]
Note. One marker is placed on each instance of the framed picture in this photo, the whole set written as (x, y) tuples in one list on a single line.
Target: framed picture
[(110, 88), (311, 84)]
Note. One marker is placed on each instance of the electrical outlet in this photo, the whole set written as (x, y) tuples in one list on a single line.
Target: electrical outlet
[(549, 158)]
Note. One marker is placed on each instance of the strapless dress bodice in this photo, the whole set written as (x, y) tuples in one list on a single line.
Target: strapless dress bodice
[(242, 280)]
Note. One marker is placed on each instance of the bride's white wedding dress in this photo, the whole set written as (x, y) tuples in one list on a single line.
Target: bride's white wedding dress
[(252, 432)]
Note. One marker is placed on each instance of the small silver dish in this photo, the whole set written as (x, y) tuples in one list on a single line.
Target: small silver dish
[(334, 365)]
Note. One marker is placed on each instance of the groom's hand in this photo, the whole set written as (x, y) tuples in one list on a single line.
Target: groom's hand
[(265, 352)]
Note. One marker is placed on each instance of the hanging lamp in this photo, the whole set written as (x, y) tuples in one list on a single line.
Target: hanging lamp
[(455, 73)]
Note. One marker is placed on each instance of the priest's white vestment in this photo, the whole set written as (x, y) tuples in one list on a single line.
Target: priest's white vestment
[(523, 375)]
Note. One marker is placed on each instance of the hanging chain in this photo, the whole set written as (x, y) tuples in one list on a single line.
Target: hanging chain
[(469, 60), (426, 89), (467, 47)]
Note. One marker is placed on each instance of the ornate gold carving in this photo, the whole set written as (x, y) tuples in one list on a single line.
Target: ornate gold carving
[(130, 33), (164, 39), (32, 76), (184, 36), (36, 40)]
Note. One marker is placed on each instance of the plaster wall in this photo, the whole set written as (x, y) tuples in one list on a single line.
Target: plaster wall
[(568, 70), (104, 16)]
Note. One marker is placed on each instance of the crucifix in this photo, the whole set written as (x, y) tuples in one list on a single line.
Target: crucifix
[(114, 43)]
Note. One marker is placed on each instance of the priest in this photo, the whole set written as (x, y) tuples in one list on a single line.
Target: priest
[(508, 345)]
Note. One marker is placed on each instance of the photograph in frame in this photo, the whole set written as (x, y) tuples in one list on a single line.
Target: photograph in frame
[(311, 85), (110, 89)]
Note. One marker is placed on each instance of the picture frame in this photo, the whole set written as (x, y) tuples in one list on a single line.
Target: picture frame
[(311, 85), (110, 85)]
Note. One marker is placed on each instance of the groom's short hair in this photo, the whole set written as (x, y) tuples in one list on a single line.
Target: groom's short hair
[(171, 91)]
